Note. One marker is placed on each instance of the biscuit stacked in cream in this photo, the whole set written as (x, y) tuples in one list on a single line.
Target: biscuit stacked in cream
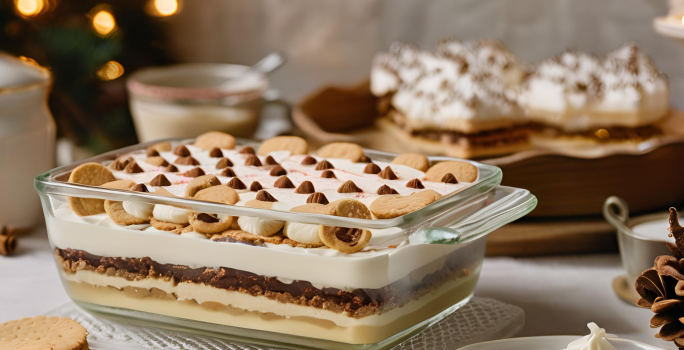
[(576, 91)]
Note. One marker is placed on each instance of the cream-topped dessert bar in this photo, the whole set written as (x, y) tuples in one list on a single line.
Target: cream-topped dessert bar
[(342, 284)]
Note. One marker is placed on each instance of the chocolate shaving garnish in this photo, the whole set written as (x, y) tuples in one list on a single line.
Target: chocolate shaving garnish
[(388, 174), (186, 161), (305, 188), (181, 151), (223, 163), (328, 174), (278, 171), (215, 153), (324, 164), (349, 187), (171, 169), (371, 168), (676, 230), (194, 172), (160, 181), (152, 152), (270, 161), (247, 150), (228, 172), (208, 218), (133, 168), (236, 184), (252, 160), (309, 160), (255, 186), (140, 188), (283, 182), (317, 197), (385, 190), (415, 183), (8, 244), (449, 178), (364, 159), (265, 197)]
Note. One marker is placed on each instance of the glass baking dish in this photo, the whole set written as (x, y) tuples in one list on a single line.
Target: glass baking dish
[(426, 266)]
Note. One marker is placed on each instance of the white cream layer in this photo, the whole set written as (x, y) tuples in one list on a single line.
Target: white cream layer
[(202, 293)]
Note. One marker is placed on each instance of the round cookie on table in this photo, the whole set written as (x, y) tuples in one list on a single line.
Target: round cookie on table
[(43, 333)]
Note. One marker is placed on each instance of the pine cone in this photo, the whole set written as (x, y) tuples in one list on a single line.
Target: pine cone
[(662, 288)]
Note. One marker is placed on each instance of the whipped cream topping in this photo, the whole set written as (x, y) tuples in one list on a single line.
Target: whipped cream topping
[(459, 80), (624, 81), (594, 341)]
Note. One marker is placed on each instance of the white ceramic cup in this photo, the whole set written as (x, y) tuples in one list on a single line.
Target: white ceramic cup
[(187, 100), (27, 139)]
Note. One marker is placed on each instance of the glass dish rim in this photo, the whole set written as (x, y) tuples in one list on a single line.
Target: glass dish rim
[(46, 183)]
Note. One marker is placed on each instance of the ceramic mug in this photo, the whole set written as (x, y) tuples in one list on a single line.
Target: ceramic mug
[(186, 100), (27, 139)]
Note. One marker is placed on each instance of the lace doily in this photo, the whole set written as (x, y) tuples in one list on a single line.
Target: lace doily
[(480, 320)]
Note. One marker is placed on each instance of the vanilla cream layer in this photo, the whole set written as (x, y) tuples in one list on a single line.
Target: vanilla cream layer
[(202, 293), (321, 267), (297, 325)]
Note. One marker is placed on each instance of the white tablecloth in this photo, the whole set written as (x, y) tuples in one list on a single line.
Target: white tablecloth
[(560, 295)]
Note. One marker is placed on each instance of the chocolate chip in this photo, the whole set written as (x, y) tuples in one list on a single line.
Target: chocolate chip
[(309, 160), (388, 174), (247, 150), (270, 161), (160, 181), (449, 178), (119, 164), (328, 174), (133, 168), (171, 169), (204, 217), (364, 159), (194, 172), (324, 164), (371, 168), (255, 186), (415, 183), (305, 187), (215, 153), (384, 190), (152, 153), (223, 163), (349, 187), (186, 161), (236, 184), (181, 151), (265, 197), (140, 188), (283, 182), (278, 171), (317, 197), (228, 171), (156, 161), (252, 160)]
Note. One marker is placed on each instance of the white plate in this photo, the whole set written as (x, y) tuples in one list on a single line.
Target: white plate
[(557, 342)]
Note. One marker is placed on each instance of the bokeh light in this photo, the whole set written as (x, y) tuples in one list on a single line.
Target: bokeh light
[(29, 8), (110, 71), (166, 7), (103, 22)]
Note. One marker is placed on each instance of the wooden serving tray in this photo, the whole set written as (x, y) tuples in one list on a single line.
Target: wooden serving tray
[(568, 182)]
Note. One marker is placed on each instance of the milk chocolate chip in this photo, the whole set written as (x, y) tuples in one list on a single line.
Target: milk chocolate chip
[(182, 151), (160, 181), (228, 172), (255, 186), (194, 172), (283, 182), (371, 168), (270, 161), (349, 187), (265, 197), (224, 162), (324, 164), (133, 168), (309, 160), (278, 171), (186, 161), (388, 174), (385, 190), (449, 178), (305, 187), (415, 183), (247, 150), (215, 153), (236, 184), (317, 197), (328, 174), (252, 160)]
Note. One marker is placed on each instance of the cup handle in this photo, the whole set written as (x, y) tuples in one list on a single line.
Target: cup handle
[(616, 212), (513, 206)]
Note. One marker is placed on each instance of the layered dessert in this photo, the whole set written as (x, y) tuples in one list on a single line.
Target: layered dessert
[(583, 98), (476, 99), (350, 285), (459, 99)]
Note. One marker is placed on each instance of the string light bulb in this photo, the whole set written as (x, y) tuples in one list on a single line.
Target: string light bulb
[(110, 71), (165, 7), (103, 22), (30, 8)]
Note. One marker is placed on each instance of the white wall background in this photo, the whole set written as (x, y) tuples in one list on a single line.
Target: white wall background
[(333, 41)]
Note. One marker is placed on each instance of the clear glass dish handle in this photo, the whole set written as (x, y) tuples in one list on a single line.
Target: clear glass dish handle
[(513, 206)]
